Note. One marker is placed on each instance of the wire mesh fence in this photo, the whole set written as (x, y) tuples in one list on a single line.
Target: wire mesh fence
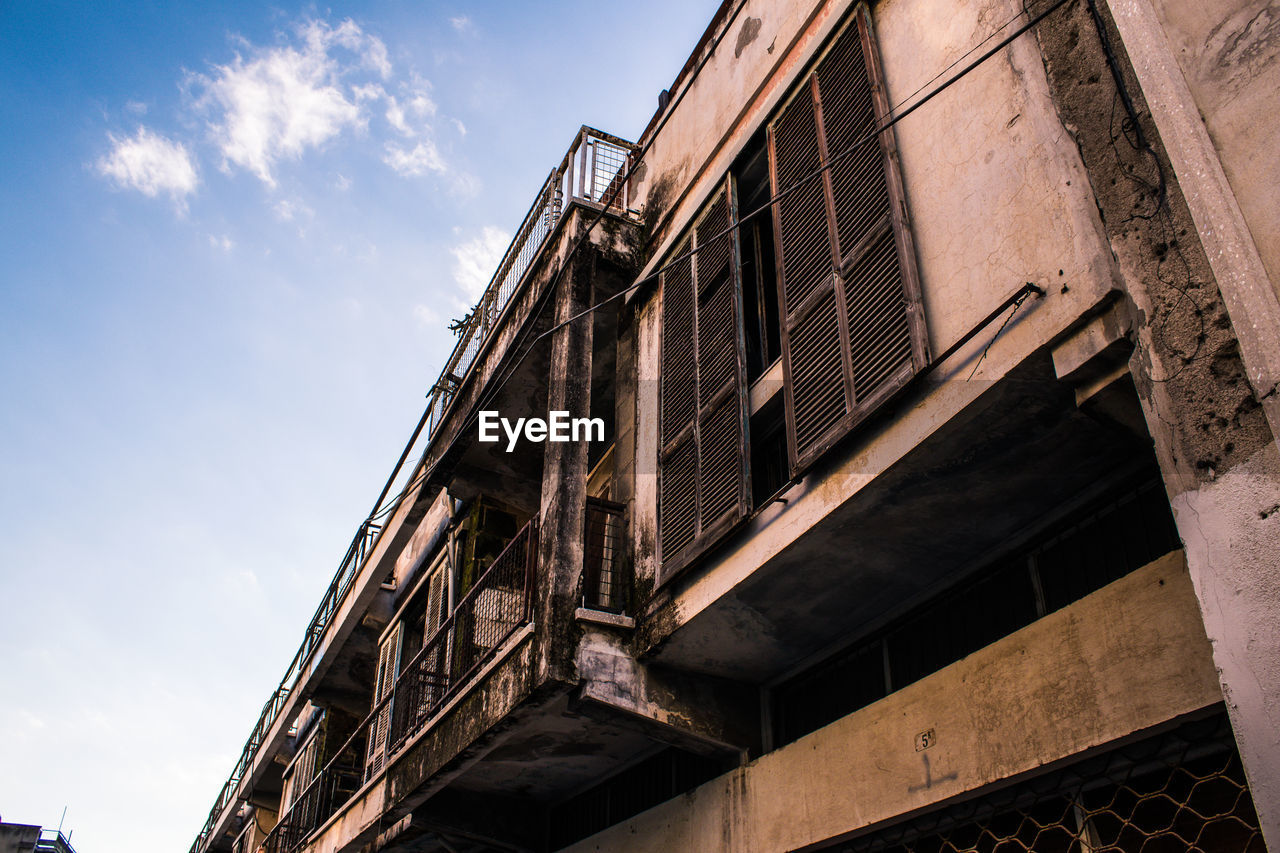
[(1183, 790)]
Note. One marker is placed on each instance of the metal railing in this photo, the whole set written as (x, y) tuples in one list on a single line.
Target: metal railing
[(605, 584), (53, 841), (489, 613), (495, 607), (591, 171)]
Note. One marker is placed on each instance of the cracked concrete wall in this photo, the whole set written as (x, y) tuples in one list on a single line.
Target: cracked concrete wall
[(1229, 54), (1215, 444), (698, 713)]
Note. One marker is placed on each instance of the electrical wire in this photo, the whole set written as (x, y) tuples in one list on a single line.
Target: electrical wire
[(1016, 305)]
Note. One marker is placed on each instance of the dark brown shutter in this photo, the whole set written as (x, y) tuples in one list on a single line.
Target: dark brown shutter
[(679, 487), (853, 332), (704, 469)]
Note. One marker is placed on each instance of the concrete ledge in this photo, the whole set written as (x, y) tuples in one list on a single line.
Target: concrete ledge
[(601, 617)]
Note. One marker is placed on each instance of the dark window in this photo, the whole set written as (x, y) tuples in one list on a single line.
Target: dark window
[(1122, 531), (768, 451), (759, 269), (641, 786)]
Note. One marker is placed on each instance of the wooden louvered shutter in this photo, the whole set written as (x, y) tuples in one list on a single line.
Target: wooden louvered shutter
[(853, 332), (703, 490), (380, 726)]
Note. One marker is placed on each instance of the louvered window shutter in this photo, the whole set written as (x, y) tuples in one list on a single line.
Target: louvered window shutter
[(380, 726), (703, 489), (853, 331)]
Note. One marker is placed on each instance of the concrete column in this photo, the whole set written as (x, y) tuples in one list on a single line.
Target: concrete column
[(1229, 521), (1247, 292), (564, 475), (1206, 334)]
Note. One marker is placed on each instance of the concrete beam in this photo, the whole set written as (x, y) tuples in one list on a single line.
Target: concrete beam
[(697, 713), (1083, 677)]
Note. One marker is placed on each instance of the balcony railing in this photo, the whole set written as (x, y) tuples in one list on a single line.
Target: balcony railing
[(592, 171), (495, 607), (605, 582)]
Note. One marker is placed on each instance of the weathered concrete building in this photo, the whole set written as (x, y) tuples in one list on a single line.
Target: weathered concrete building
[(935, 348)]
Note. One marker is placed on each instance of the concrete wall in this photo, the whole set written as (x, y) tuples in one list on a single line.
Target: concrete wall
[(1093, 672), (1229, 54), (18, 838), (1207, 360)]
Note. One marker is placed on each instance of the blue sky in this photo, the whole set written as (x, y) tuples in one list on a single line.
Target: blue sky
[(231, 238)]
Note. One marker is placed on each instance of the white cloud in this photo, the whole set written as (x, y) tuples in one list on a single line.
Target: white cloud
[(368, 92), (287, 210), (465, 185), (375, 57), (461, 23), (475, 261), (285, 100), (222, 242), (417, 103), (426, 316), (138, 108), (421, 104), (462, 128), (342, 183), (150, 164), (395, 117), (423, 158)]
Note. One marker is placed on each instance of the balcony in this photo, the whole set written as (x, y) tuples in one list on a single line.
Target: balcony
[(486, 617), (488, 632), (590, 173), (589, 176)]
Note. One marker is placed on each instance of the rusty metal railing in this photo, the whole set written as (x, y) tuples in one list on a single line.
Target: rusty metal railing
[(605, 582), (489, 613), (591, 172)]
